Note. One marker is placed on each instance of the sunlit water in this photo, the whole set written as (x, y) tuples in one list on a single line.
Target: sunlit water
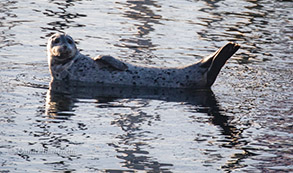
[(244, 124)]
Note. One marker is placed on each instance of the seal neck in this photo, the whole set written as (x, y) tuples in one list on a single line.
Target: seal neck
[(59, 61)]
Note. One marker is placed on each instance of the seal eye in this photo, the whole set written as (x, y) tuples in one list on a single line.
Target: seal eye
[(69, 41), (57, 40)]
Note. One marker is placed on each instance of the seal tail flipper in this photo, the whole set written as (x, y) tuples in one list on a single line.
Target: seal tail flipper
[(217, 60)]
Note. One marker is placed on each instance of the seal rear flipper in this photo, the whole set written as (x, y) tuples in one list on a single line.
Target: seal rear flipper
[(217, 60), (207, 61), (112, 62)]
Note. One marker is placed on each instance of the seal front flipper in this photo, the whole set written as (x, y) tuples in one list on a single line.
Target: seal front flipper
[(112, 62), (217, 60)]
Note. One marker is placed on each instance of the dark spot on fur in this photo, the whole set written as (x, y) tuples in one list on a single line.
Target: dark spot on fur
[(134, 83), (168, 73), (163, 78), (187, 76)]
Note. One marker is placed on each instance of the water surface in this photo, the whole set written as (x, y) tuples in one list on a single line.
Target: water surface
[(244, 124)]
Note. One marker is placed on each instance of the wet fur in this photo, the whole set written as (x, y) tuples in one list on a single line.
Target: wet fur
[(108, 70)]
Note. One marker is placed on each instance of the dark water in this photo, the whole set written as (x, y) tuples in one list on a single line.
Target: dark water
[(243, 125)]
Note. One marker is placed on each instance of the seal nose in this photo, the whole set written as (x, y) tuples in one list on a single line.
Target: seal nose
[(65, 47)]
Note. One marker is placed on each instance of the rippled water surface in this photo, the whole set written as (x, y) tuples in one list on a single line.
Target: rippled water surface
[(244, 124)]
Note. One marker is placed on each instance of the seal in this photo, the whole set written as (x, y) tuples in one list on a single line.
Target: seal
[(67, 63)]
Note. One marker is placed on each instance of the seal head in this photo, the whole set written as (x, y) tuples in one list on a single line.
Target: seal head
[(61, 50)]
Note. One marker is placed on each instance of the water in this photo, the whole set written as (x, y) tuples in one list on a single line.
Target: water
[(243, 125)]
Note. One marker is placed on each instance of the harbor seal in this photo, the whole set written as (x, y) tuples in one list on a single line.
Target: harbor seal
[(67, 63)]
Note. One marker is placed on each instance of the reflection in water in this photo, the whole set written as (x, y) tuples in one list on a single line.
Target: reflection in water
[(132, 146), (7, 22), (59, 106), (62, 17), (247, 25), (141, 12), (221, 27)]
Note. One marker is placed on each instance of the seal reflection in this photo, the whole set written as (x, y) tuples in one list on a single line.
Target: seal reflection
[(131, 148)]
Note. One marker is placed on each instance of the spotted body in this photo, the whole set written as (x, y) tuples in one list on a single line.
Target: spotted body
[(108, 70)]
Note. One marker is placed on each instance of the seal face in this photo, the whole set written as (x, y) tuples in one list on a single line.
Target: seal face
[(62, 48), (66, 63)]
